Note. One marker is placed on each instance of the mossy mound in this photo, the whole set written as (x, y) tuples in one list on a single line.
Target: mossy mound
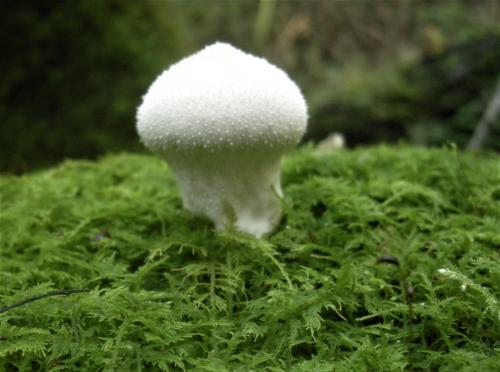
[(167, 293)]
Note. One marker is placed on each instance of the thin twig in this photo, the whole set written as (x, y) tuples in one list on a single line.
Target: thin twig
[(64, 292), (489, 118)]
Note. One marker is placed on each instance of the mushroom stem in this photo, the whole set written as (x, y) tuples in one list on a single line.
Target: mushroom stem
[(232, 191)]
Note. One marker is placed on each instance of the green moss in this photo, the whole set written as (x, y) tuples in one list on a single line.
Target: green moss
[(168, 293)]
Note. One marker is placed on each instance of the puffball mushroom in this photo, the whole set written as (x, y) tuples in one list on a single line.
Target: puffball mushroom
[(222, 119)]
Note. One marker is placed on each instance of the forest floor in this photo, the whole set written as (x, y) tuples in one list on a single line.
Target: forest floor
[(387, 259)]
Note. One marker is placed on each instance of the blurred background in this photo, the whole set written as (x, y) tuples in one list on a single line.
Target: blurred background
[(73, 72)]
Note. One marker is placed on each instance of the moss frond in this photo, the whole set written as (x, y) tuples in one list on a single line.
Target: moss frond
[(168, 293)]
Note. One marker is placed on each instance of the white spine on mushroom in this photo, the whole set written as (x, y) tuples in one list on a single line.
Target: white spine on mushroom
[(223, 119)]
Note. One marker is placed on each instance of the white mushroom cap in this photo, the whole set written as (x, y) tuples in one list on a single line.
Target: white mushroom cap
[(222, 119)]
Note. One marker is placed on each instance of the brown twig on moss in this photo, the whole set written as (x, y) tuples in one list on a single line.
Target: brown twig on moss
[(64, 292)]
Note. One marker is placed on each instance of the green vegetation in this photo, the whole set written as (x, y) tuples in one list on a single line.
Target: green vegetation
[(167, 293), (383, 71), (439, 99), (75, 72), (73, 76)]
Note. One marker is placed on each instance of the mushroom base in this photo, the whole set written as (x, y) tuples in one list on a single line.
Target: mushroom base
[(232, 192)]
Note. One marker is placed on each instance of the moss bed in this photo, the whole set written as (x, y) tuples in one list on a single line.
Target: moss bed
[(387, 259)]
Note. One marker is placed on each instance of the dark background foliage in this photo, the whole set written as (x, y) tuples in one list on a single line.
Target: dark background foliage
[(73, 72)]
